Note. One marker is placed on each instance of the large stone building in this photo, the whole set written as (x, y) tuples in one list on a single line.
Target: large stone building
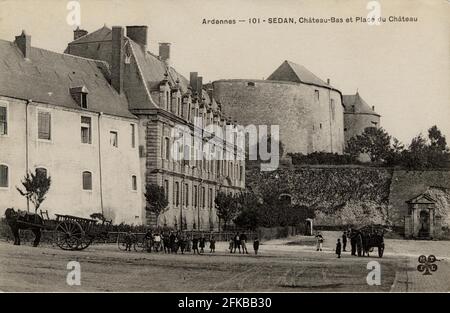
[(358, 115), (163, 99), (59, 115), (131, 109), (309, 111)]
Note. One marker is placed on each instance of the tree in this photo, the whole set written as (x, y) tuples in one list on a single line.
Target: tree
[(226, 207), (438, 152), (156, 199), (36, 187), (375, 142), (248, 208)]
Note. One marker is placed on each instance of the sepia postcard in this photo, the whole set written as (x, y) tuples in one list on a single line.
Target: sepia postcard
[(231, 155)]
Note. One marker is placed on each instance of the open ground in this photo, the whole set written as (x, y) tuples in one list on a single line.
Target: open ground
[(285, 265)]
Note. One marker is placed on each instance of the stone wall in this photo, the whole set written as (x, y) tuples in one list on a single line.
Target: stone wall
[(343, 195)]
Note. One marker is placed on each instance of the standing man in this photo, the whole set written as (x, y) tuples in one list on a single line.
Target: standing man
[(359, 244), (237, 243), (319, 239), (338, 248), (344, 240), (243, 239), (195, 244), (202, 244), (353, 241), (256, 245)]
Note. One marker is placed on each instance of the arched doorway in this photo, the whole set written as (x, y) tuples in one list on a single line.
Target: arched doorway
[(424, 223)]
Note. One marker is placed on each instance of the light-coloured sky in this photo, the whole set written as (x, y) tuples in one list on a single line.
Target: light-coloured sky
[(401, 68)]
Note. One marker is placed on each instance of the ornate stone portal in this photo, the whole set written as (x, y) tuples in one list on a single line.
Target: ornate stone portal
[(420, 221)]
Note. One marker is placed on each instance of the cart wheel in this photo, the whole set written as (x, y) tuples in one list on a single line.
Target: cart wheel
[(121, 243), (68, 235), (84, 242)]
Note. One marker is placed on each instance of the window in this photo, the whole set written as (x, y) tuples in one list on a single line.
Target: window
[(114, 138), (84, 101), (44, 125), (316, 94), (166, 189), (250, 84), (133, 135), (3, 120), (166, 152), (203, 197), (210, 196), (42, 171), (176, 194), (87, 180), (320, 125), (134, 182), (195, 196), (3, 176), (167, 100), (86, 130), (186, 194)]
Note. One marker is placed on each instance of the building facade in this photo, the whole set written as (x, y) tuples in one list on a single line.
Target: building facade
[(308, 110), (59, 115), (170, 107)]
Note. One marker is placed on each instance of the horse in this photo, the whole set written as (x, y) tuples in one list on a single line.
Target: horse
[(22, 220)]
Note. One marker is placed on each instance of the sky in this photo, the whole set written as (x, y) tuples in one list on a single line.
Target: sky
[(400, 68)]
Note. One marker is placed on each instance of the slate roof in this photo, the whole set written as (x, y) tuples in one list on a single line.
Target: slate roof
[(360, 106), (153, 69), (151, 66), (48, 76), (290, 71)]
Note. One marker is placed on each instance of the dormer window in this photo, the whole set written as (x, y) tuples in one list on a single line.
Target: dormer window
[(80, 95)]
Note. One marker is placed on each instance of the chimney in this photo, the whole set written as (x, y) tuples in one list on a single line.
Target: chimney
[(24, 43), (139, 35), (328, 81), (200, 87), (77, 33), (373, 108), (164, 51), (117, 58), (193, 81)]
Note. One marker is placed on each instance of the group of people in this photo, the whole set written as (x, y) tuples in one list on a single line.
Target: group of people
[(239, 242), (174, 242), (356, 243)]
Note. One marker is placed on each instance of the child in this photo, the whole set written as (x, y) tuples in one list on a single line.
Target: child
[(212, 245), (338, 248), (256, 245)]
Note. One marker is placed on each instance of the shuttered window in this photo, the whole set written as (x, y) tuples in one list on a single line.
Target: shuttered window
[(3, 120), (86, 136), (87, 181), (44, 125), (114, 139), (133, 136), (4, 176)]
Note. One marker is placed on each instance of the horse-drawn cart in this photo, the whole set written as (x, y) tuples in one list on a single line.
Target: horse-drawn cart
[(69, 232)]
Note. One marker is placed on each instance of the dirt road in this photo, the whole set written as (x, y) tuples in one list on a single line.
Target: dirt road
[(105, 268)]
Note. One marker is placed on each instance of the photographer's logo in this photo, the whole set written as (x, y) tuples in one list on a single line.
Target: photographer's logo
[(427, 264)]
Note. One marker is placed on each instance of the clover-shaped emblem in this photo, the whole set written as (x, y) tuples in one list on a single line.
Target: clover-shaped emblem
[(427, 264)]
